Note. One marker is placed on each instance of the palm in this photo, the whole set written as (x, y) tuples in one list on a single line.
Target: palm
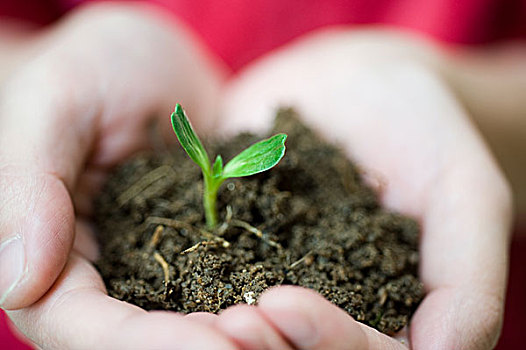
[(406, 130)]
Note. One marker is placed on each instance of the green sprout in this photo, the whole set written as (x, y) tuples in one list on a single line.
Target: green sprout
[(257, 158)]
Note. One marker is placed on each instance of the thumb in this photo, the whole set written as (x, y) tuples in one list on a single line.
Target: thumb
[(41, 151), (36, 233)]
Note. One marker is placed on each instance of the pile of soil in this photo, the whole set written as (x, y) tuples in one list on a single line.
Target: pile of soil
[(310, 221)]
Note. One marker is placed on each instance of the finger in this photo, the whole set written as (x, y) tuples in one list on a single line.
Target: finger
[(85, 241), (403, 336), (204, 318), (76, 314), (464, 257), (49, 121), (247, 326), (308, 321), (41, 153), (90, 182)]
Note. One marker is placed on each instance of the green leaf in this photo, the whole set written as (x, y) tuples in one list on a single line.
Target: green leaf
[(189, 140), (218, 167), (259, 157)]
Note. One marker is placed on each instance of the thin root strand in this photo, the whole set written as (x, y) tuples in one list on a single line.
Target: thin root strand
[(195, 246), (166, 270), (143, 183), (297, 262), (176, 224), (156, 237), (224, 226), (256, 232)]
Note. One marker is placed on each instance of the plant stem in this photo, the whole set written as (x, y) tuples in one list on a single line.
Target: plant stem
[(209, 200)]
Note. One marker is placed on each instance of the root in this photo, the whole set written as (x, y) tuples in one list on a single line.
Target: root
[(144, 182), (383, 295), (211, 236), (179, 225), (224, 226), (195, 246), (166, 270), (302, 259), (256, 232), (156, 237)]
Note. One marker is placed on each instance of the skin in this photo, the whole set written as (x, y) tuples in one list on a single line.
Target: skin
[(89, 87), (393, 114)]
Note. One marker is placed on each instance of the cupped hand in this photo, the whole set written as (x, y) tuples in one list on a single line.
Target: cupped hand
[(81, 105), (85, 103), (381, 97)]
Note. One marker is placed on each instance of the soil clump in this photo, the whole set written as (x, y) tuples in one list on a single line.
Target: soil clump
[(310, 221)]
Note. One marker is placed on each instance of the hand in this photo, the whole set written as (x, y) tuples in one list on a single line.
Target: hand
[(81, 106), (382, 99), (101, 120)]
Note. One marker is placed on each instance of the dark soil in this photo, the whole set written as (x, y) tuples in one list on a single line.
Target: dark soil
[(310, 221)]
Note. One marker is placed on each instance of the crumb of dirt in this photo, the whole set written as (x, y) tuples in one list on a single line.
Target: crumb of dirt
[(310, 222)]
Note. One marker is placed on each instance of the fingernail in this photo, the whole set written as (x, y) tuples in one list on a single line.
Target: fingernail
[(12, 266)]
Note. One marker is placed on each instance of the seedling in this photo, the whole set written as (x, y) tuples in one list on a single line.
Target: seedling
[(257, 158)]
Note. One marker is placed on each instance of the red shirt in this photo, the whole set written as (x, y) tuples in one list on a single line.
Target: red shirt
[(242, 30)]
